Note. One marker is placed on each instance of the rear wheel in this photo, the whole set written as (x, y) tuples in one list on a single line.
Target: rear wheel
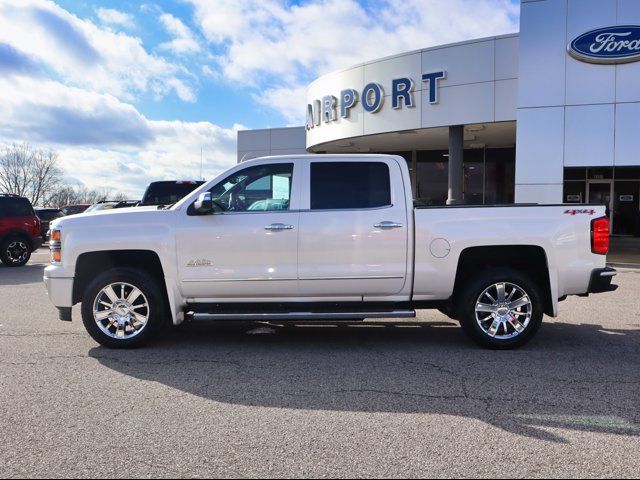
[(123, 308), (15, 252), (501, 309)]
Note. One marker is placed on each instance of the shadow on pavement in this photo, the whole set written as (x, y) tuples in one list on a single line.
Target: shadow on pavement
[(29, 273), (575, 377)]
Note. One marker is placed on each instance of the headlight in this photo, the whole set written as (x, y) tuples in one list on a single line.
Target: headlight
[(55, 245)]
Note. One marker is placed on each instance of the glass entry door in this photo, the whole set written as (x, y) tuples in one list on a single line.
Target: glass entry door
[(601, 192)]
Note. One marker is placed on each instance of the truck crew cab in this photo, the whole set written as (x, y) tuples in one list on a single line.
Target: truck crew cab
[(324, 237)]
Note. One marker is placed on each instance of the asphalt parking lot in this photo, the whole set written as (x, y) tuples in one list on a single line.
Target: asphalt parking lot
[(413, 400)]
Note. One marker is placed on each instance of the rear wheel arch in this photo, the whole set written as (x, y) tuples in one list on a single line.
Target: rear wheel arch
[(531, 260)]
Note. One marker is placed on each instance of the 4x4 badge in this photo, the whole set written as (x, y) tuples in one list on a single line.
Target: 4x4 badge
[(573, 211)]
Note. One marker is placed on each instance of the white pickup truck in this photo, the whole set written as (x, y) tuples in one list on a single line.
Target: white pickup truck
[(324, 237)]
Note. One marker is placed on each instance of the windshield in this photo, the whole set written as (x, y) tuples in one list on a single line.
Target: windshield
[(101, 206), (74, 209), (166, 193), (49, 214)]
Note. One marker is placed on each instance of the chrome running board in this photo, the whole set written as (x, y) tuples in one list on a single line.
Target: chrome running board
[(302, 316)]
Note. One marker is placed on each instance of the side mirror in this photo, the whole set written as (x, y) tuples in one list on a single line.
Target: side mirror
[(204, 204)]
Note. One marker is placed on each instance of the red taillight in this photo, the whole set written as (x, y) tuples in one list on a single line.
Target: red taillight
[(600, 236)]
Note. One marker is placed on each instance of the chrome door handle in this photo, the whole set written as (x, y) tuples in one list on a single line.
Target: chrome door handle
[(278, 226), (388, 225)]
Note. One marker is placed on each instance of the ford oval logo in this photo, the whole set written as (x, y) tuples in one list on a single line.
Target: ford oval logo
[(620, 44)]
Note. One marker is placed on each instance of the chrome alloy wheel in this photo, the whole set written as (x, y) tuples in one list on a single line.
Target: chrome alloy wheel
[(17, 251), (503, 310), (121, 310)]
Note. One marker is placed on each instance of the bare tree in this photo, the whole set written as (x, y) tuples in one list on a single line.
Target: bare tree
[(120, 197), (80, 194), (34, 174), (64, 195), (14, 176)]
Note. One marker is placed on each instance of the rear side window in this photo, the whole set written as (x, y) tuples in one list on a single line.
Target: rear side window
[(349, 185), (15, 207)]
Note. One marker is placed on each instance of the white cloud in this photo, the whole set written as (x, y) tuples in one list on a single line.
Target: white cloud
[(105, 143), (88, 56), (277, 48), (172, 153), (184, 40), (290, 101), (48, 111), (111, 16)]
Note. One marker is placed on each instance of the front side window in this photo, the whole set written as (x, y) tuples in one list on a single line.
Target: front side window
[(349, 185), (259, 188)]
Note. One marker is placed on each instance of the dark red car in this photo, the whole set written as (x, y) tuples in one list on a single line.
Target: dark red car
[(19, 230)]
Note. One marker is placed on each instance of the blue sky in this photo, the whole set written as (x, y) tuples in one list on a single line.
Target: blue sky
[(128, 92), (217, 101)]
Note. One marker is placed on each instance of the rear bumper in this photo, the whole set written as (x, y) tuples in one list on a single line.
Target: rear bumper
[(601, 280)]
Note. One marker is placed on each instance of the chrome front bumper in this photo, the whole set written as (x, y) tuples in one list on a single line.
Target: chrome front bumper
[(59, 289)]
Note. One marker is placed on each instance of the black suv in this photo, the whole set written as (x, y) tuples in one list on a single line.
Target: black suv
[(168, 192), (47, 215), (19, 230)]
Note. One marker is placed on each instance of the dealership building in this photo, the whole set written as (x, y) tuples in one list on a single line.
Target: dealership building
[(548, 115)]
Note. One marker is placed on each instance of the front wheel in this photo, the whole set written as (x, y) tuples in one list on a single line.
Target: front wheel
[(501, 309), (123, 308)]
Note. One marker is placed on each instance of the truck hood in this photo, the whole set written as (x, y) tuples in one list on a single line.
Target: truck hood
[(133, 216)]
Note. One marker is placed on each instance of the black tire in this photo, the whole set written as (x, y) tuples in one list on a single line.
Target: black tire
[(157, 311), (449, 312), (11, 247), (473, 289)]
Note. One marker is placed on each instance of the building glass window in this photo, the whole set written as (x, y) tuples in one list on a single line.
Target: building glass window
[(432, 177), (489, 176), (573, 173), (500, 176), (473, 183), (596, 186), (575, 192), (626, 213), (604, 173), (627, 173)]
